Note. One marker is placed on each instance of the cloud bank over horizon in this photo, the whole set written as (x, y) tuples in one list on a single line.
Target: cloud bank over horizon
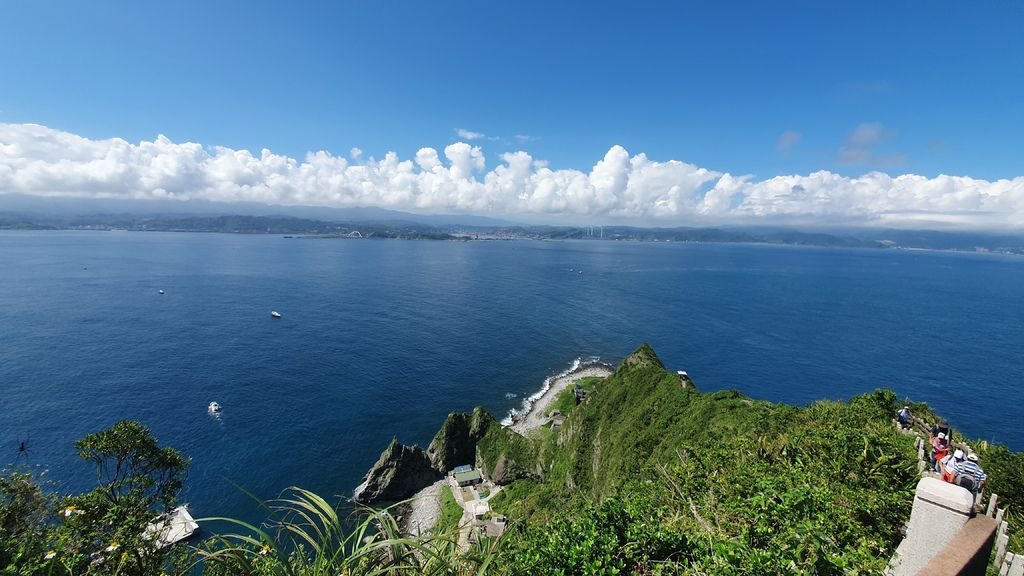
[(40, 161)]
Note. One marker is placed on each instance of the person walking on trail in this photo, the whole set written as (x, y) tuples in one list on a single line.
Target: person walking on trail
[(940, 447), (942, 426), (949, 466), (970, 475), (904, 417)]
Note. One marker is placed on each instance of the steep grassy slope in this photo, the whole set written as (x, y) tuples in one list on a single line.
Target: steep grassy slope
[(647, 475)]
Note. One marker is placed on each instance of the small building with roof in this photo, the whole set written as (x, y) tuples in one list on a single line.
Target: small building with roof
[(580, 393), (467, 478)]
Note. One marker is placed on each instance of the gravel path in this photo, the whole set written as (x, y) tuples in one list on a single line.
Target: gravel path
[(424, 509)]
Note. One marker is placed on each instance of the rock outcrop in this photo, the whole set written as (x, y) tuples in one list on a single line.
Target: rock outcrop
[(455, 443), (400, 472), (477, 439)]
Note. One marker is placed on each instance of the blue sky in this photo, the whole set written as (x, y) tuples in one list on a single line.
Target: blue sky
[(754, 88)]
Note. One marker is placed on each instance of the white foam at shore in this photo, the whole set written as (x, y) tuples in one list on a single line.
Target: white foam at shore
[(528, 402)]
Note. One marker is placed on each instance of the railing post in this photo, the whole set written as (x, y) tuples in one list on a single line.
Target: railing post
[(1002, 540), (1017, 566), (939, 512)]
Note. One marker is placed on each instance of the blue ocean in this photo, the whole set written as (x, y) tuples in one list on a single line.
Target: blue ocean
[(380, 339)]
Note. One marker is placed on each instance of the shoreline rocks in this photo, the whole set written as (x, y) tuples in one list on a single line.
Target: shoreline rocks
[(536, 416), (423, 510), (403, 471), (399, 472), (455, 443)]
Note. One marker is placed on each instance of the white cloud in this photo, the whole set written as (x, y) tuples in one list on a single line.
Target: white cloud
[(469, 134), (867, 134), (787, 141), (40, 161), (861, 143)]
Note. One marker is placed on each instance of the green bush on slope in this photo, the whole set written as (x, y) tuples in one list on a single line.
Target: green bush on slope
[(451, 512), (649, 476), (101, 531), (506, 456), (645, 477)]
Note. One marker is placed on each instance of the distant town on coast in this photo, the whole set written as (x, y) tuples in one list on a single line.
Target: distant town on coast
[(368, 288), (387, 224)]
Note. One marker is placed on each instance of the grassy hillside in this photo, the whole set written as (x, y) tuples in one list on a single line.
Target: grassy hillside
[(645, 476), (451, 512), (648, 476)]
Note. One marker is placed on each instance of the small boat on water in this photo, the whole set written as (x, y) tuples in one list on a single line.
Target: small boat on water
[(275, 313), (214, 408), (160, 291)]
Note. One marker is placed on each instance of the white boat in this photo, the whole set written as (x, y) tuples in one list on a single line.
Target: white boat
[(160, 291), (214, 408), (275, 313)]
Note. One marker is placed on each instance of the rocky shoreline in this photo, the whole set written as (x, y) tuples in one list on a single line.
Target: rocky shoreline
[(420, 513), (536, 415)]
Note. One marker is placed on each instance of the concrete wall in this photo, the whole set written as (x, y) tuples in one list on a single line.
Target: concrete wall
[(940, 511), (968, 553)]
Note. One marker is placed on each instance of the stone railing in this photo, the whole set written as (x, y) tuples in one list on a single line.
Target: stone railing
[(947, 534)]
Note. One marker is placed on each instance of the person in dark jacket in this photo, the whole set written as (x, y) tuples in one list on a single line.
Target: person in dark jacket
[(942, 426)]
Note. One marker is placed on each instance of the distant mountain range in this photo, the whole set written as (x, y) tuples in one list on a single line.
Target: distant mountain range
[(63, 207), (25, 212)]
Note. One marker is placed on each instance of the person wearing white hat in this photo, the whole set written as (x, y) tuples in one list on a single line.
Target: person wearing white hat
[(970, 475), (949, 465), (940, 447), (904, 417)]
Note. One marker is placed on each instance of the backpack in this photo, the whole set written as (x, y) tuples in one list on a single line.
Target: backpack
[(967, 481)]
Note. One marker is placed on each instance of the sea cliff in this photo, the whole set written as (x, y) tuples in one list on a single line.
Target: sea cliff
[(639, 469), (476, 439)]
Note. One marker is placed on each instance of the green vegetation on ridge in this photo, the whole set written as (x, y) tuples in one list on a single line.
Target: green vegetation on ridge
[(645, 476), (565, 402), (451, 512)]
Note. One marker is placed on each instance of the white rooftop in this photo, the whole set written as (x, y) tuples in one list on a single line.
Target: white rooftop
[(172, 527)]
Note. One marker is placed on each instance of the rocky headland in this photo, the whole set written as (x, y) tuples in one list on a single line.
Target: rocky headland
[(502, 453)]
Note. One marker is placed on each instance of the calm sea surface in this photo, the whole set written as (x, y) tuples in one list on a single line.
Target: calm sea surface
[(384, 338)]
